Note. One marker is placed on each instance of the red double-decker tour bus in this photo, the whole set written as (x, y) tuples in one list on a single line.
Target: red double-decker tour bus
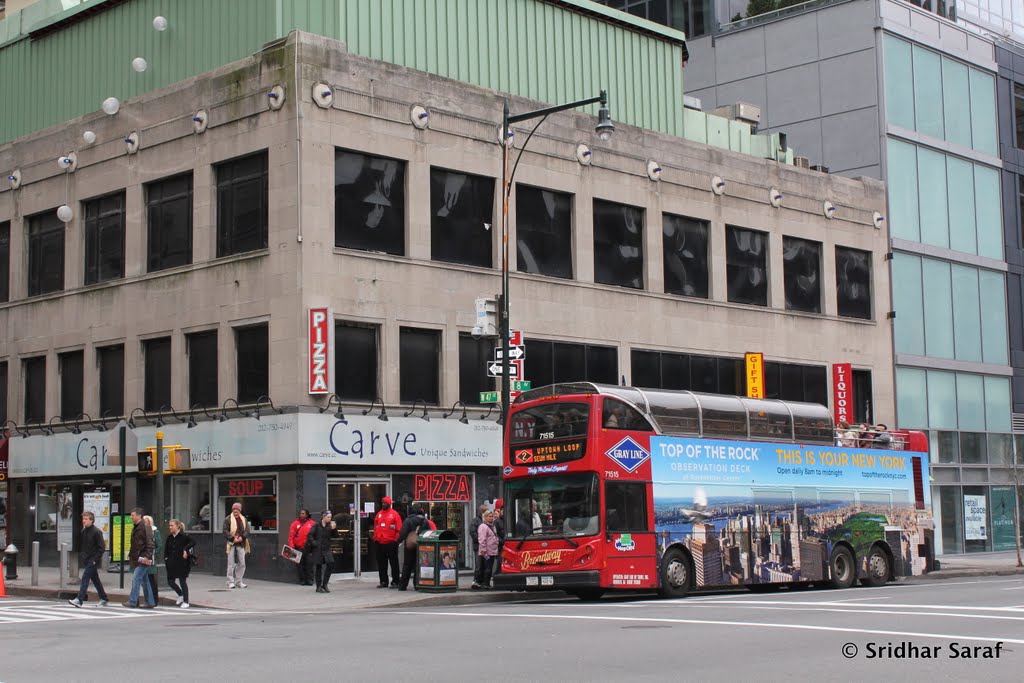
[(611, 487)]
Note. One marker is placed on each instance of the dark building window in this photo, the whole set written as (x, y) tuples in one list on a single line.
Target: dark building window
[(369, 202), (618, 244), (461, 213), (685, 252), (1020, 219), (853, 282), (45, 253), (708, 374), (202, 369), (104, 238), (746, 258), (70, 367), (355, 361), (157, 375), (5, 261), (548, 362), (169, 223), (473, 378), (419, 365), (801, 271), (111, 362), (3, 393), (690, 16), (792, 382), (34, 373), (862, 404), (1018, 112), (543, 232), (242, 205), (252, 345)]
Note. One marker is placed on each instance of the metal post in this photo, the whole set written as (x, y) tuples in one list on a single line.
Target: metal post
[(123, 439), (504, 327), (35, 563), (158, 513), (63, 564)]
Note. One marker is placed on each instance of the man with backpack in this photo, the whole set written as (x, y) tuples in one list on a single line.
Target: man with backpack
[(413, 526)]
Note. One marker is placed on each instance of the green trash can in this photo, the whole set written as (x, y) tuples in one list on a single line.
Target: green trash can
[(437, 566)]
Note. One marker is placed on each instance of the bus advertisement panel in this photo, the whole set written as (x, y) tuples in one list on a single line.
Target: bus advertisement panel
[(754, 512)]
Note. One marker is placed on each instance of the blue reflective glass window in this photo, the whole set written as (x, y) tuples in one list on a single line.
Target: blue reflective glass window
[(962, 233), (899, 82), (931, 192), (908, 302), (938, 313), (956, 102), (966, 319), (911, 389), (927, 92), (997, 404), (989, 216), (992, 286), (983, 112), (902, 181), (970, 402), (941, 400)]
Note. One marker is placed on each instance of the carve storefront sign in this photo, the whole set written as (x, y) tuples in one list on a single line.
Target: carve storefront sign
[(290, 439)]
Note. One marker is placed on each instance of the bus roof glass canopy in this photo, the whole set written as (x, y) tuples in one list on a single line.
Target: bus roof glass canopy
[(693, 414)]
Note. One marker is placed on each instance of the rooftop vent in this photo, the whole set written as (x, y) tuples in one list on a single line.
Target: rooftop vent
[(691, 102), (801, 162), (741, 111)]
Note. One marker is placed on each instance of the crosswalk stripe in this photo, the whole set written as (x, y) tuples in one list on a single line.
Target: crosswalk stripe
[(28, 611)]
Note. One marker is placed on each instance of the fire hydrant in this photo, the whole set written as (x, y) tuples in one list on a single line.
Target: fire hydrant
[(10, 562)]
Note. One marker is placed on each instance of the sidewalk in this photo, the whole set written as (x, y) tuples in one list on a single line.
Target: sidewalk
[(973, 565), (206, 590)]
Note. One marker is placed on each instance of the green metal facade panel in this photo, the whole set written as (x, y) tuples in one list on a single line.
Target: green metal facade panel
[(530, 48)]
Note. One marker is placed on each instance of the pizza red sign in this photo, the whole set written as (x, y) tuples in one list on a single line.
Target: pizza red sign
[(320, 350)]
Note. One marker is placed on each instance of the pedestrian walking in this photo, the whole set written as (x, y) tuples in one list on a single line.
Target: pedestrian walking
[(90, 555), (140, 556), (488, 538), (386, 524), (152, 569), (236, 533), (415, 525), (474, 525), (499, 528), (297, 534), (177, 561), (318, 547)]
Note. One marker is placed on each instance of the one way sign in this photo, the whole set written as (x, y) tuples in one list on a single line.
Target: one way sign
[(514, 352), (495, 369)]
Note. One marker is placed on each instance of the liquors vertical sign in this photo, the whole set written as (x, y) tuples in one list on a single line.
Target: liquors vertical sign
[(842, 392), (321, 350)]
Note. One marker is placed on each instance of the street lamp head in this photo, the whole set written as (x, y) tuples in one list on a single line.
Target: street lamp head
[(604, 127)]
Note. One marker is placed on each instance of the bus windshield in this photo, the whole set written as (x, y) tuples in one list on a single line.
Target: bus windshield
[(562, 505)]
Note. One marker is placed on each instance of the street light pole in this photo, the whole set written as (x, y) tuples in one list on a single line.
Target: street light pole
[(604, 130)]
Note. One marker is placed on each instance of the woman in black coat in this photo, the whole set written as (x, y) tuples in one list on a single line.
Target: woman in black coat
[(318, 545), (177, 549)]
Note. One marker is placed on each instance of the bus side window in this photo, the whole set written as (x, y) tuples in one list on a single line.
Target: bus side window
[(625, 506), (616, 414)]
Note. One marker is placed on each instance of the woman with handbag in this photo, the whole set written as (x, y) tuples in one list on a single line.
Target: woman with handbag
[(179, 554)]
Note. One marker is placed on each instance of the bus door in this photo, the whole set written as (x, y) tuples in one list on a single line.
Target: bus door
[(630, 552)]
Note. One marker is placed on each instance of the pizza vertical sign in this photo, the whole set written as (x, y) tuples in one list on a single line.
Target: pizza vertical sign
[(321, 350), (842, 392)]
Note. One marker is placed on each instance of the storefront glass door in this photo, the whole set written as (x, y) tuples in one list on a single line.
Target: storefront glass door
[(354, 504)]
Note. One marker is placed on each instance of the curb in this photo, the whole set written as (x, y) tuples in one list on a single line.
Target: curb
[(466, 598), (943, 574), (69, 593)]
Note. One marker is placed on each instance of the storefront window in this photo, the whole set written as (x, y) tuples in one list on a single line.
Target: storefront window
[(190, 502), (952, 519), (46, 507), (1000, 449), (977, 526), (973, 449), (946, 447), (258, 496), (1002, 518)]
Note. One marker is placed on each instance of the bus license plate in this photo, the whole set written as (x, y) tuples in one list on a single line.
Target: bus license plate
[(547, 581), (531, 580)]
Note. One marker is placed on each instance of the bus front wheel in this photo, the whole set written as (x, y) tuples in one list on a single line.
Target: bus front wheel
[(878, 568), (675, 574), (842, 568)]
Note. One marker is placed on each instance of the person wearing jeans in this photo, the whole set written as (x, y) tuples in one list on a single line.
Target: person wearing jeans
[(90, 556), (140, 554)]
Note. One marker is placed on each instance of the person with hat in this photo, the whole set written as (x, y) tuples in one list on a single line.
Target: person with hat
[(236, 533), (386, 524), (318, 548)]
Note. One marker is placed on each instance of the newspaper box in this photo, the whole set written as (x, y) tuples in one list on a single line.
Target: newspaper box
[(437, 554)]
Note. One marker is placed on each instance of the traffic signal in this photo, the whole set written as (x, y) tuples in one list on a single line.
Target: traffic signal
[(179, 459), (147, 461), (486, 318)]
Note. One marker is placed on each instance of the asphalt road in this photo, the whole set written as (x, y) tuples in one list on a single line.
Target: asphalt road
[(902, 632)]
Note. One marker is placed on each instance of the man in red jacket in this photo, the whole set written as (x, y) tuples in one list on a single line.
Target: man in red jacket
[(386, 524), (297, 534)]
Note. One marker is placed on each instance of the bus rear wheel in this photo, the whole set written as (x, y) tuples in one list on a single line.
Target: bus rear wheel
[(842, 568), (878, 568), (675, 574)]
